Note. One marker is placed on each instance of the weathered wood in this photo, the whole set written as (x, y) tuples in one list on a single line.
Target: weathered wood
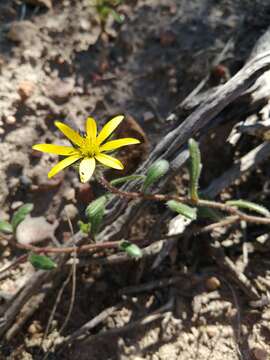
[(173, 146), (12, 309), (246, 163), (259, 92)]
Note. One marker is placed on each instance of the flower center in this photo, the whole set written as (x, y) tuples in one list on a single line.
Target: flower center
[(89, 148)]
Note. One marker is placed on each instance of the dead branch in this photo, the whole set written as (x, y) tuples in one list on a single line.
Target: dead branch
[(13, 308), (246, 163), (173, 146)]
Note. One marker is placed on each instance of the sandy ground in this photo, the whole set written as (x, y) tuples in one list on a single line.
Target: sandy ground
[(59, 64)]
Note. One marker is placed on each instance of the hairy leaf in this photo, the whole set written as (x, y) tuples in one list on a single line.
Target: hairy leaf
[(194, 168), (20, 214), (95, 213), (131, 249), (244, 204), (155, 172), (125, 179), (183, 209), (42, 262), (6, 227)]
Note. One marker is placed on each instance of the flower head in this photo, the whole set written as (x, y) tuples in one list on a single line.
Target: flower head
[(87, 149)]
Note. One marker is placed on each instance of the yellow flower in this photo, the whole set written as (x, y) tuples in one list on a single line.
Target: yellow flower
[(88, 148)]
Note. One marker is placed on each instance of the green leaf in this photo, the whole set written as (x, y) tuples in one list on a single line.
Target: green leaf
[(42, 262), (182, 209), (84, 227), (131, 249), (95, 212), (20, 214), (244, 204), (124, 179), (194, 168), (119, 18), (155, 172), (104, 11), (6, 227)]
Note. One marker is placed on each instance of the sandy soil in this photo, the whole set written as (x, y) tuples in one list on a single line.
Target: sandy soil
[(58, 63)]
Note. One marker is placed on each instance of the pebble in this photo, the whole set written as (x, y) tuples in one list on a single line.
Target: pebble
[(85, 25), (25, 89), (69, 194), (6, 252), (70, 211), (10, 120), (172, 72), (34, 230), (212, 283), (16, 204), (34, 328), (85, 193), (167, 38), (60, 89), (218, 73), (148, 116), (22, 31), (260, 354)]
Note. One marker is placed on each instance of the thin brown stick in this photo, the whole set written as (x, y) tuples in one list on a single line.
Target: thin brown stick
[(73, 293), (153, 285), (27, 310), (238, 313), (84, 330), (111, 244), (70, 249), (56, 303), (74, 268), (186, 200), (228, 266), (228, 221), (236, 216), (156, 315), (14, 263)]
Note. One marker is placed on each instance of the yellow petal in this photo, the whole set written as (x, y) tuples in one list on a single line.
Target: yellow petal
[(109, 161), (56, 149), (109, 128), (91, 129), (63, 164), (70, 133), (115, 144), (87, 168)]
